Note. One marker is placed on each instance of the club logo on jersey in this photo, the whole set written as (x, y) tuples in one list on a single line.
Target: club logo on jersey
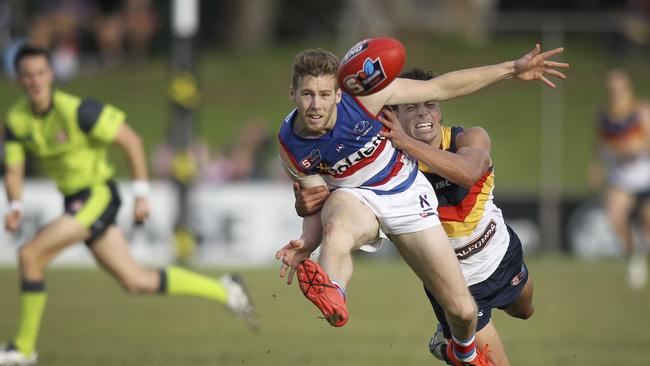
[(361, 126), (355, 50), (339, 147), (61, 137), (477, 244), (76, 205), (368, 78), (310, 160)]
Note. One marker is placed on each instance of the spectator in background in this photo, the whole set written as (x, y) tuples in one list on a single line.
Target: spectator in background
[(140, 26), (123, 23), (55, 26), (472, 17), (247, 158), (251, 151), (623, 163), (5, 23)]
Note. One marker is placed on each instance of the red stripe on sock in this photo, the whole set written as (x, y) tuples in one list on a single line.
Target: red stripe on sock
[(464, 349)]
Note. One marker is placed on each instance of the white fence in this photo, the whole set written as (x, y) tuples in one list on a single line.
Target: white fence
[(244, 224), (241, 224)]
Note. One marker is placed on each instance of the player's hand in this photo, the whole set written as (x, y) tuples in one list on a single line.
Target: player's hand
[(291, 255), (396, 133), (140, 210), (536, 66), (309, 200), (12, 220)]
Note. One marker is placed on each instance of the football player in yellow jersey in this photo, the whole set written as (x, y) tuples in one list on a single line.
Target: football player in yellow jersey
[(457, 162), (69, 137)]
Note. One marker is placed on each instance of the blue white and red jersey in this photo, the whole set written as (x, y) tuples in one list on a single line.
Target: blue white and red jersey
[(352, 154)]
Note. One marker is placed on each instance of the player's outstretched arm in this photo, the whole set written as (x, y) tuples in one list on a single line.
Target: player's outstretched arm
[(464, 167), (296, 250), (13, 180), (131, 143), (535, 65)]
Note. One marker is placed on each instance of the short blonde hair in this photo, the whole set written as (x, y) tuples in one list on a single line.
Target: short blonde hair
[(314, 62)]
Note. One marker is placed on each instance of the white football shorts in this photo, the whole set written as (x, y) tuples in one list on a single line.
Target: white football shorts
[(410, 211)]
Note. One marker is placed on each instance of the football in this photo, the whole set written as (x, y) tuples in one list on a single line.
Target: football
[(370, 65)]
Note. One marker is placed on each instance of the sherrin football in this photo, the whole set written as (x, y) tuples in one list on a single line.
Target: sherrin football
[(370, 65)]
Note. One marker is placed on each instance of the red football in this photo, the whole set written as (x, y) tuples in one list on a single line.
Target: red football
[(370, 65)]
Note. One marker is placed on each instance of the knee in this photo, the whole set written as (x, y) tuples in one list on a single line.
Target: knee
[(29, 256), (462, 311), (333, 226), (525, 313), (618, 222), (334, 231)]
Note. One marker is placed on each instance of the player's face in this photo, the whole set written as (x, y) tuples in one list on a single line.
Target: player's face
[(316, 98), (617, 84), (36, 78), (420, 121)]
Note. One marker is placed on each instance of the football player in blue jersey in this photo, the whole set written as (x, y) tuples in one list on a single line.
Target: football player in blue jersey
[(386, 194)]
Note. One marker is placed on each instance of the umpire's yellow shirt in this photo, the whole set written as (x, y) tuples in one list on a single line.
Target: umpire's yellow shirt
[(69, 141)]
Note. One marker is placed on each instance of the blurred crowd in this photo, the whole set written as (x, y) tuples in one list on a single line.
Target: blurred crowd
[(91, 34), (104, 33), (247, 157)]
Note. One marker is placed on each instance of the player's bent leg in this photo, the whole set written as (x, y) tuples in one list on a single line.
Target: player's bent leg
[(34, 256), (522, 307), (432, 258), (644, 212), (347, 224), (112, 253), (488, 340), (618, 207), (430, 255), (638, 264)]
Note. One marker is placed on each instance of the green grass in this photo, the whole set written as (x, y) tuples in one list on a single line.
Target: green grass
[(238, 86), (585, 316)]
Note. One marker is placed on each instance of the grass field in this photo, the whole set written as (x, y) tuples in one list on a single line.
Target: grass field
[(585, 316)]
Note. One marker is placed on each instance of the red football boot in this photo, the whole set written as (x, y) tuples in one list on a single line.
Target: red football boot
[(480, 359), (317, 287)]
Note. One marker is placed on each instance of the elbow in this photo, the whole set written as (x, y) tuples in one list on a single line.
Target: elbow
[(470, 179), (466, 182), (132, 144), (128, 139), (136, 140)]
